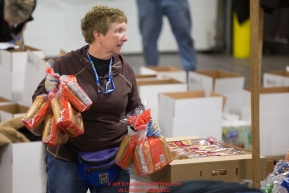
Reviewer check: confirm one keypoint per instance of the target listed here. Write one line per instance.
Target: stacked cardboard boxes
(22, 165)
(149, 91)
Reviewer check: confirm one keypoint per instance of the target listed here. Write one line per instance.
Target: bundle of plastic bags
(148, 154)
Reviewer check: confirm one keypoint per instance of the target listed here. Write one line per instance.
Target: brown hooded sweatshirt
(102, 126)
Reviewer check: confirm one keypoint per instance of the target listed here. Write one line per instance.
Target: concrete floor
(212, 61)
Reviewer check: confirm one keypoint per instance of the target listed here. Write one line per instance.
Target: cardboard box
(4, 100)
(273, 118)
(150, 89)
(143, 77)
(22, 168)
(236, 167)
(12, 71)
(222, 82)
(33, 75)
(11, 110)
(5, 76)
(165, 71)
(276, 78)
(187, 113)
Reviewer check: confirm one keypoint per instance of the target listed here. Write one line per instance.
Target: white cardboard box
(188, 113)
(149, 91)
(12, 71)
(165, 71)
(22, 168)
(10, 110)
(222, 82)
(276, 78)
(141, 77)
(274, 119)
(33, 74)
(4, 100)
(5, 76)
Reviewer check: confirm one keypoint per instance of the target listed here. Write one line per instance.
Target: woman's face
(114, 38)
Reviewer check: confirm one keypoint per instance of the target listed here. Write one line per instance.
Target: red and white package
(36, 114)
(74, 93)
(53, 135)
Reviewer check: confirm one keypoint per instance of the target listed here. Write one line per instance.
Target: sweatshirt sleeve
(134, 98)
(39, 90)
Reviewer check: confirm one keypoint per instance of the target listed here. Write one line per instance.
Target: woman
(14, 16)
(103, 29)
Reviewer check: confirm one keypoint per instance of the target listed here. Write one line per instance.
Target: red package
(124, 154)
(67, 118)
(36, 114)
(52, 135)
(140, 122)
(74, 93)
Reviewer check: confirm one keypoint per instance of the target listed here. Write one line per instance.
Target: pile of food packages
(57, 115)
(202, 147)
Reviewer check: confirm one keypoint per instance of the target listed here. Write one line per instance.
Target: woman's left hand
(153, 129)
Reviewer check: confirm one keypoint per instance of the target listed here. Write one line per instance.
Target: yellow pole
(256, 39)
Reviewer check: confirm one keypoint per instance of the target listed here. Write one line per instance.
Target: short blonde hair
(99, 18)
(18, 11)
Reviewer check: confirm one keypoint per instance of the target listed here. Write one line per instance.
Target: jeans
(150, 13)
(62, 177)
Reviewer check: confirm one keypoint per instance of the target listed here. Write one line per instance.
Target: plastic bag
(124, 156)
(74, 93)
(53, 135)
(138, 118)
(67, 118)
(36, 114)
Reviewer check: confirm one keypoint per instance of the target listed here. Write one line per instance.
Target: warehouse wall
(56, 25)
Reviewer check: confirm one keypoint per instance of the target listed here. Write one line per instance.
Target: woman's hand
(153, 129)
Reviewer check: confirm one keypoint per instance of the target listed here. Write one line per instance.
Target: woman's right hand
(51, 83)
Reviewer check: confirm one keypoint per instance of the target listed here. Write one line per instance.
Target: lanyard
(110, 80)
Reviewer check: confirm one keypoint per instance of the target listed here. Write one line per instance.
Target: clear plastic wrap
(138, 118)
(278, 180)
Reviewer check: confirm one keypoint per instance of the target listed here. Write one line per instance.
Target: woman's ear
(97, 36)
